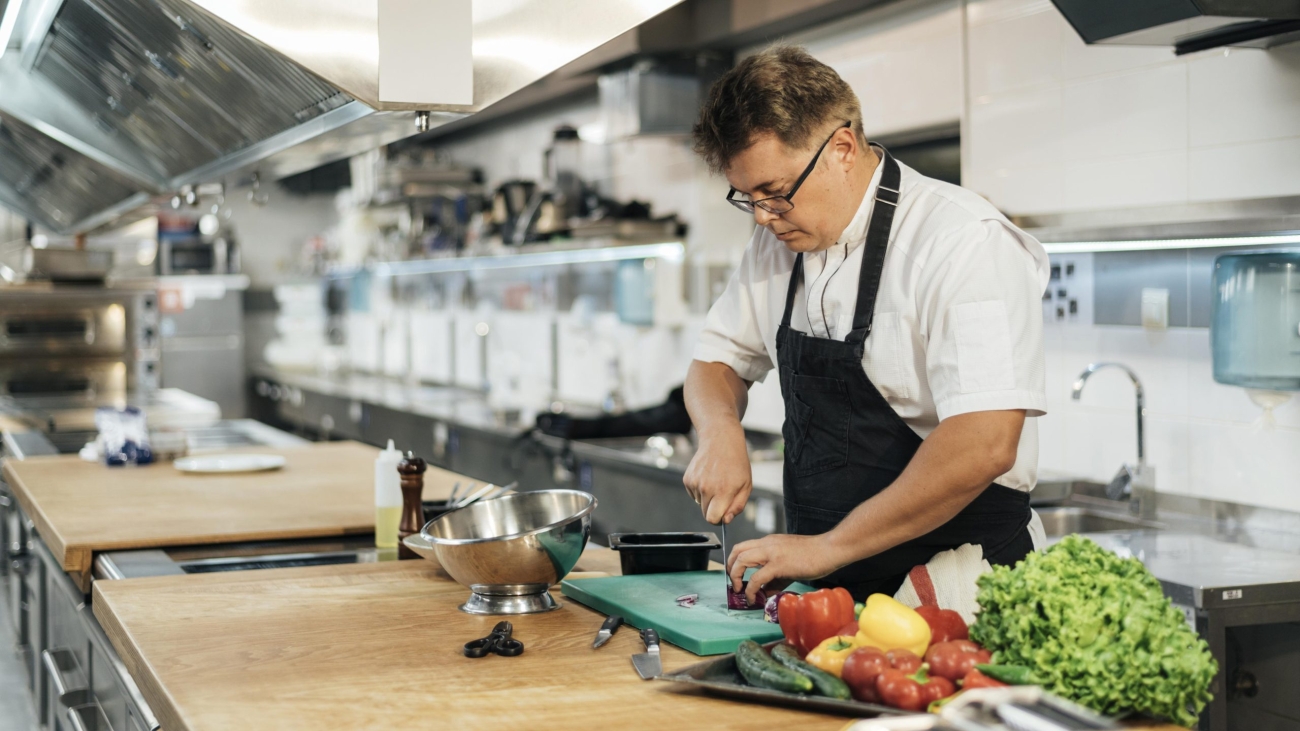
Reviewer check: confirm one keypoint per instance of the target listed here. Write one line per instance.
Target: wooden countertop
(379, 646)
(81, 508)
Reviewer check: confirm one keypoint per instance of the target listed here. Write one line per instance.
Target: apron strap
(873, 256)
(796, 274)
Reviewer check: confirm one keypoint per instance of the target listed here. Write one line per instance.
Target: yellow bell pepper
(831, 654)
(889, 625)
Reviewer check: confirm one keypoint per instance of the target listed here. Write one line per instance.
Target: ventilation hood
(158, 94)
(1186, 25)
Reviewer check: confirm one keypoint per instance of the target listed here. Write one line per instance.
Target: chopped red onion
(769, 609)
(687, 600)
(738, 600)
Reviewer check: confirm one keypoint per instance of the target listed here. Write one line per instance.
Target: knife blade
(607, 630)
(726, 577)
(648, 664)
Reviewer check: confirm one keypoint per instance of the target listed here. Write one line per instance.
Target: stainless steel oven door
(51, 330)
(91, 378)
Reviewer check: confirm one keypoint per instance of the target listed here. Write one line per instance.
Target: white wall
(1056, 125)
(271, 237)
(903, 60)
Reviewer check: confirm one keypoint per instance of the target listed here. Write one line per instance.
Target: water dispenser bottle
(1255, 329)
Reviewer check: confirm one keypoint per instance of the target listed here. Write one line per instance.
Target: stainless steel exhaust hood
(54, 185)
(1186, 25)
(165, 93)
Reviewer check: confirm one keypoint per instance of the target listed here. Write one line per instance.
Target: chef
(903, 316)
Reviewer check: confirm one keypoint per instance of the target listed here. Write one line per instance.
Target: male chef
(903, 316)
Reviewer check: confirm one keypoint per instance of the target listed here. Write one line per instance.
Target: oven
(91, 342)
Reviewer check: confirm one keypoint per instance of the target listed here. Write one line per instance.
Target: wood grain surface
(374, 646)
(81, 508)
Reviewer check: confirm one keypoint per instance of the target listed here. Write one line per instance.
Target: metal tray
(719, 676)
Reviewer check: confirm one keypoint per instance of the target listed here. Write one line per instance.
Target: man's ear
(847, 149)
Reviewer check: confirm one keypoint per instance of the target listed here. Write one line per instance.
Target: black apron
(844, 443)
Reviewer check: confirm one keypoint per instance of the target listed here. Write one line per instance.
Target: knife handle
(650, 638)
(612, 623)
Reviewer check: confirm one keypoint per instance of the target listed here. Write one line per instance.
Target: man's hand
(719, 477)
(780, 556)
(953, 466)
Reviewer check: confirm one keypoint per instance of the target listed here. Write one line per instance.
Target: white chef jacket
(958, 324)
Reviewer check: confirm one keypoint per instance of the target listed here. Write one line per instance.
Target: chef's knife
(647, 663)
(607, 630)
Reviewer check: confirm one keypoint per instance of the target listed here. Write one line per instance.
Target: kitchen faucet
(1136, 482)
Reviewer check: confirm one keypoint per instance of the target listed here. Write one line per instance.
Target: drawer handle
(83, 711)
(55, 661)
(77, 718)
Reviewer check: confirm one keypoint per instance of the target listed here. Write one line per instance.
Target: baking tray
(720, 676)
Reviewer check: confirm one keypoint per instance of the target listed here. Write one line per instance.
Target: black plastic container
(661, 553)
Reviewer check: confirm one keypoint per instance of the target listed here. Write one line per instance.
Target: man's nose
(763, 216)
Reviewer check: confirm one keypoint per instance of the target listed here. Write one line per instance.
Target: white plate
(215, 463)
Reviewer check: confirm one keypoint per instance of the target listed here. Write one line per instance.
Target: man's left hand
(780, 556)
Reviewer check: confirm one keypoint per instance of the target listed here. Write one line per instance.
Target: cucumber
(761, 670)
(824, 682)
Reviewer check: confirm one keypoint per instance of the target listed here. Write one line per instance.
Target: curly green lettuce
(1098, 630)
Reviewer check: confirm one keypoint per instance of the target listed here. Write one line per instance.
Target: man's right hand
(719, 476)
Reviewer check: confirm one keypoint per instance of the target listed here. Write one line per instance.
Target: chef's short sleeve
(980, 306)
(731, 331)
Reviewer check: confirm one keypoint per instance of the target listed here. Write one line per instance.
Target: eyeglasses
(779, 204)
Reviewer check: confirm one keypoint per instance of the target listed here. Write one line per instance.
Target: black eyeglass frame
(748, 206)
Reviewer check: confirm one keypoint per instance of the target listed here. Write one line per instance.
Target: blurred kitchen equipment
(1255, 326)
(508, 204)
(194, 256)
(476, 495)
(655, 553)
(412, 471)
(607, 630)
(648, 664)
(500, 642)
(562, 163)
(70, 265)
(1133, 481)
(511, 549)
(91, 343)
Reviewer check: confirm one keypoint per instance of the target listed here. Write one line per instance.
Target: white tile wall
(1136, 126)
(903, 60)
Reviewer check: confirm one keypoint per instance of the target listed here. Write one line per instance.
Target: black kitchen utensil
(607, 630)
(500, 642)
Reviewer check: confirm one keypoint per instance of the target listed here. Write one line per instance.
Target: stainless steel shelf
(674, 251)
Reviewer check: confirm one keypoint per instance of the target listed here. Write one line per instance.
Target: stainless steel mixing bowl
(509, 550)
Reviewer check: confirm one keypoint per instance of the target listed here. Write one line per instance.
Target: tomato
(952, 660)
(860, 671)
(945, 624)
(904, 660)
(976, 679)
(936, 688)
(899, 691)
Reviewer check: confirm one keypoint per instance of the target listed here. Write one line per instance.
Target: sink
(1063, 521)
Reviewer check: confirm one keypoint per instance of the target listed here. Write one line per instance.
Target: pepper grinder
(411, 469)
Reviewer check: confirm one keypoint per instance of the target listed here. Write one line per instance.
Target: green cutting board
(650, 600)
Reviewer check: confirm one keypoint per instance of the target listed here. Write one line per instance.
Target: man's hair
(784, 91)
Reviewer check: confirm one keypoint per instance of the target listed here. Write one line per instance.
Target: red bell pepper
(808, 619)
